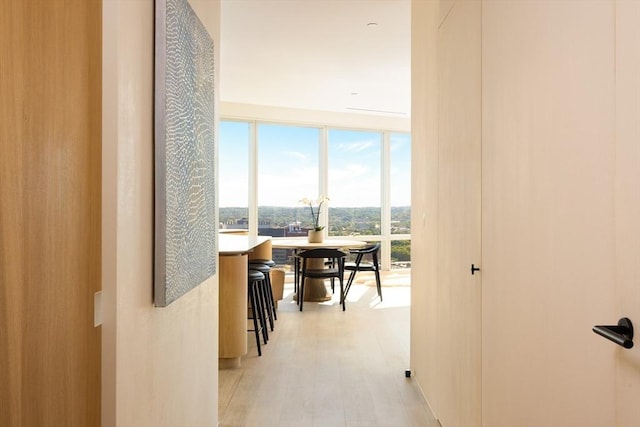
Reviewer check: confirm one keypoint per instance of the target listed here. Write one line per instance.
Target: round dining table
(315, 289)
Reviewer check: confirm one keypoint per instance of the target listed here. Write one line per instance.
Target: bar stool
(271, 264)
(265, 289)
(255, 278)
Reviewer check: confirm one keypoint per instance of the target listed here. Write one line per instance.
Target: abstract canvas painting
(185, 230)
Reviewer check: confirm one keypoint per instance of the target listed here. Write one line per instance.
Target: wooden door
(627, 210)
(50, 192)
(458, 376)
(548, 213)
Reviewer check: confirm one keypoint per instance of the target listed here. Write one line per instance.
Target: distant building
(265, 228)
(237, 224)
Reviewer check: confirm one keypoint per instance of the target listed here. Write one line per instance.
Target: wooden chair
(358, 265)
(310, 271)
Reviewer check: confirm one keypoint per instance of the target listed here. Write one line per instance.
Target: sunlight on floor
(363, 290)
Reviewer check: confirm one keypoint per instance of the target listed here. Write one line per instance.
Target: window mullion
(323, 176)
(253, 178)
(385, 220)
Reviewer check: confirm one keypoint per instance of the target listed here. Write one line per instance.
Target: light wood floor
(328, 368)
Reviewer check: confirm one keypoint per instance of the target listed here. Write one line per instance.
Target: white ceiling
(317, 54)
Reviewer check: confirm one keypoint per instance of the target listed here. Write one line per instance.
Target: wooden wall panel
(50, 204)
(11, 211)
(424, 193)
(457, 391)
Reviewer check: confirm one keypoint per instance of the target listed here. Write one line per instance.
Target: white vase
(315, 236)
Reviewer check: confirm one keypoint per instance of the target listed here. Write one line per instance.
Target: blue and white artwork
(185, 228)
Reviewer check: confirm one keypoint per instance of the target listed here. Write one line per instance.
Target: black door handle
(621, 334)
(474, 269)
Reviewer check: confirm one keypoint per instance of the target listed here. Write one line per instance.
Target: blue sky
(288, 162)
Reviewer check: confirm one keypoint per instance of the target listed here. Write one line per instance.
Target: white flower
(315, 214)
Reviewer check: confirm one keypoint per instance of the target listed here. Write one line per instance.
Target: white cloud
(295, 154)
(358, 146)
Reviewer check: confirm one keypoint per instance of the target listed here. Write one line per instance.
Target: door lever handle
(474, 269)
(621, 334)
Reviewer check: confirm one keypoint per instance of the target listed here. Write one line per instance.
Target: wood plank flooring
(327, 368)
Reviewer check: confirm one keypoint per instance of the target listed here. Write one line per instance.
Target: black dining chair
(360, 265)
(333, 271)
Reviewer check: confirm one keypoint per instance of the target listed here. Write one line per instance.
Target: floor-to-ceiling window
(287, 171)
(400, 199)
(233, 174)
(267, 168)
(354, 176)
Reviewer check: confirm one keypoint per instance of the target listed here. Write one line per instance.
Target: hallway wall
(560, 172)
(159, 364)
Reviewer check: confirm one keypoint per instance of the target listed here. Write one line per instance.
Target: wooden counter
(233, 244)
(232, 324)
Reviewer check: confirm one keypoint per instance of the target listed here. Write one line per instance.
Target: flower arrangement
(315, 213)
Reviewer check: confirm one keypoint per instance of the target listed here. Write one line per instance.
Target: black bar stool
(265, 289)
(255, 278)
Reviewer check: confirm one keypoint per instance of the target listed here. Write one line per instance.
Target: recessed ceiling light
(354, 93)
(372, 24)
